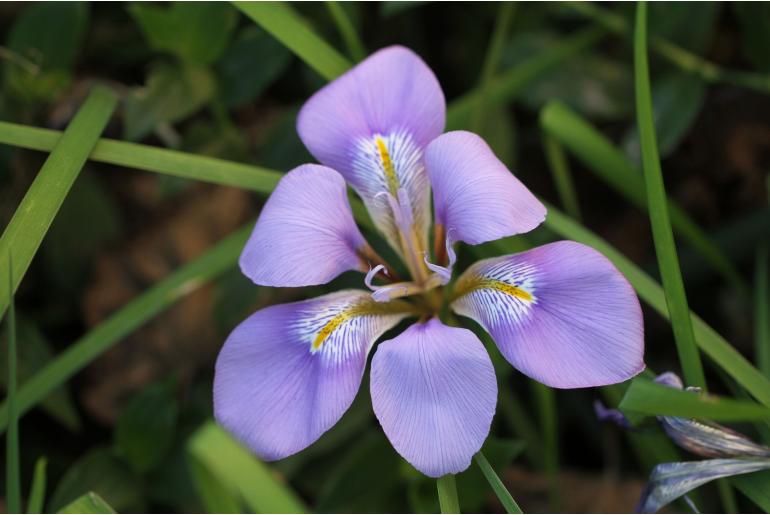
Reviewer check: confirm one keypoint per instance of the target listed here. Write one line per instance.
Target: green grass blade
(34, 216)
(600, 156)
(237, 468)
(502, 493)
(183, 281)
(549, 426)
(88, 503)
(284, 24)
(762, 310)
(504, 86)
(678, 56)
(756, 487)
(12, 471)
(562, 177)
(36, 499)
(346, 30)
(650, 398)
(447, 494)
(491, 61)
(663, 237)
(215, 496)
(713, 345)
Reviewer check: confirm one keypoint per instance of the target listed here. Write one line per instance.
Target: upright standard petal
(476, 198)
(560, 313)
(305, 234)
(434, 393)
(288, 372)
(372, 125)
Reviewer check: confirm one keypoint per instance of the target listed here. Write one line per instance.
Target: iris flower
(561, 313)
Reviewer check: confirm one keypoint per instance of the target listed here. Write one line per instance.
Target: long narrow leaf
(346, 30)
(88, 503)
(562, 177)
(285, 25)
(12, 479)
(34, 216)
(242, 473)
(650, 398)
(600, 156)
(186, 279)
(663, 237)
(502, 493)
(756, 487)
(36, 499)
(709, 341)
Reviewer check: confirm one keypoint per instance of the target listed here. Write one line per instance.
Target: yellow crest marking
(387, 165)
(476, 282)
(331, 325)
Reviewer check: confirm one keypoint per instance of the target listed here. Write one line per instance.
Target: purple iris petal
(476, 198)
(288, 372)
(372, 124)
(306, 234)
(560, 313)
(434, 393)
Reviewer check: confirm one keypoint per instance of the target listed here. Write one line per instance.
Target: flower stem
(447, 494)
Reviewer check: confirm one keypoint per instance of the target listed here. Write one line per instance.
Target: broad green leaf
(165, 293)
(241, 472)
(36, 499)
(677, 100)
(88, 503)
(282, 21)
(145, 429)
(611, 165)
(756, 487)
(249, 66)
(34, 353)
(46, 39)
(650, 398)
(33, 217)
(101, 472)
(195, 32)
(662, 234)
(172, 93)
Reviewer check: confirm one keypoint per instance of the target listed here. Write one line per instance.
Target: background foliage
(125, 260)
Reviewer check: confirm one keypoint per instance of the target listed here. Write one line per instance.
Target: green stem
(663, 237)
(346, 30)
(562, 177)
(447, 494)
(497, 485)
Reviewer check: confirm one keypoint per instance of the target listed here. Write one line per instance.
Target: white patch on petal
(337, 326)
(387, 163)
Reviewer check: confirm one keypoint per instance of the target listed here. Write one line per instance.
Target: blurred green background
(134, 426)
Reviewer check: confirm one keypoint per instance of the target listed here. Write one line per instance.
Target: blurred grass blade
(37, 209)
(216, 498)
(498, 487)
(663, 237)
(762, 310)
(549, 426)
(562, 177)
(492, 60)
(242, 473)
(181, 282)
(36, 499)
(346, 30)
(678, 56)
(89, 503)
(715, 347)
(600, 156)
(12, 471)
(504, 86)
(650, 398)
(284, 24)
(447, 494)
(756, 487)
